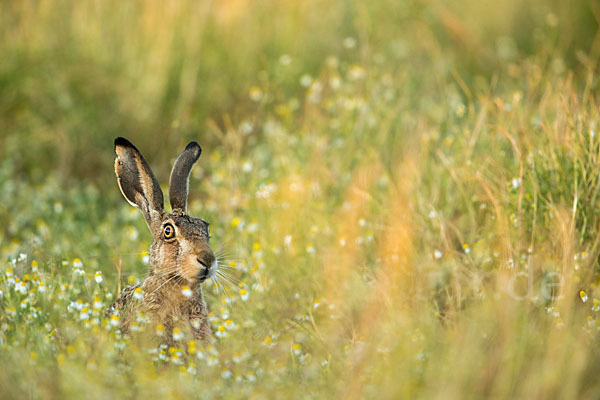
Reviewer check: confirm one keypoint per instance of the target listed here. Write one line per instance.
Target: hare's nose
(207, 260)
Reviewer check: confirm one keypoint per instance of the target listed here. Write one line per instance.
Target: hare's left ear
(179, 181)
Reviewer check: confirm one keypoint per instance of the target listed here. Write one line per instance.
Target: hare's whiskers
(164, 283)
(228, 279)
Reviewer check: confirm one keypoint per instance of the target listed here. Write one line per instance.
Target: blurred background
(403, 195)
(74, 75)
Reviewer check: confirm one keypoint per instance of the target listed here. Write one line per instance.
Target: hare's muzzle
(208, 265)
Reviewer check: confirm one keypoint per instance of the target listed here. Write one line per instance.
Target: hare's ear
(137, 182)
(178, 184)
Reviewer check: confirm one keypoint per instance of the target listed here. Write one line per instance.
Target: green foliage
(403, 195)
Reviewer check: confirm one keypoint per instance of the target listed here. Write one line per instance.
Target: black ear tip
(194, 146)
(121, 141)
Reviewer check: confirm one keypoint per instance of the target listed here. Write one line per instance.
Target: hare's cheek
(189, 272)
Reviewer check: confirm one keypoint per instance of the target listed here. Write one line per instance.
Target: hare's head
(180, 248)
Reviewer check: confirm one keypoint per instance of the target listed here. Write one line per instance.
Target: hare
(180, 257)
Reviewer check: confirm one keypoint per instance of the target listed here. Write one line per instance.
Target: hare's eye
(169, 231)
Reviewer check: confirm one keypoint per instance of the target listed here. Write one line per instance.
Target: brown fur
(179, 257)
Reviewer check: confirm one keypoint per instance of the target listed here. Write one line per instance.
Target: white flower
(212, 361)
(138, 293)
(226, 374)
(21, 287)
(98, 277)
(195, 323)
(177, 334)
(186, 291)
(285, 59)
(247, 167)
(349, 43)
(305, 80)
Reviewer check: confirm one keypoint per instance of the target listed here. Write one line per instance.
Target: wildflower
(285, 59)
(310, 249)
(466, 248)
(84, 314)
(160, 330)
(268, 341)
(132, 233)
(226, 374)
(317, 303)
(191, 345)
(34, 266)
(114, 320)
(186, 291)
(177, 334)
(42, 287)
(244, 294)
(12, 311)
(255, 93)
(247, 167)
(138, 293)
(221, 332)
(356, 72)
(97, 303)
(212, 361)
(141, 318)
(134, 326)
(98, 277)
(304, 358)
(596, 305)
(145, 257)
(21, 287)
(437, 254)
(195, 323)
(229, 324)
(287, 240)
(305, 80)
(297, 349)
(583, 296)
(77, 263)
(349, 42)
(24, 303)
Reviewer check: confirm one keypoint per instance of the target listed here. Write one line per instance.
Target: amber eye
(169, 231)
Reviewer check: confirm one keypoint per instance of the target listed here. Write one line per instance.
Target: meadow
(404, 196)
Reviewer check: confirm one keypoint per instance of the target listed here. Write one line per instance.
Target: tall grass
(405, 196)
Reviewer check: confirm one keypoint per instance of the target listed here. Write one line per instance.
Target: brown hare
(180, 258)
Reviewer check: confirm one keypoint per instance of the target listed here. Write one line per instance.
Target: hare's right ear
(138, 184)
